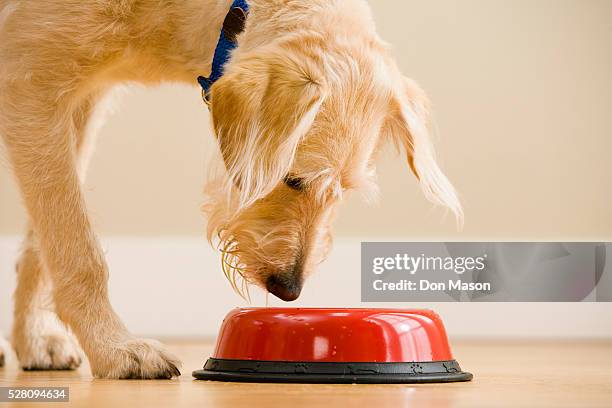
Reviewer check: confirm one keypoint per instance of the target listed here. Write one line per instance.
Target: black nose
(284, 288)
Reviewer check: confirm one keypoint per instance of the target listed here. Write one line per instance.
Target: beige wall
(522, 93)
(523, 96)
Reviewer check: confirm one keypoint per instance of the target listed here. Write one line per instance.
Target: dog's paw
(42, 342)
(3, 352)
(135, 359)
(49, 352)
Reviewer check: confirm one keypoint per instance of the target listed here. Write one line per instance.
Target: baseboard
(173, 287)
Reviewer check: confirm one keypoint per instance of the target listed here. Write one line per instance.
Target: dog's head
(299, 123)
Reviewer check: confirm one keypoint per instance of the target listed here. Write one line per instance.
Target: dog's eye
(295, 183)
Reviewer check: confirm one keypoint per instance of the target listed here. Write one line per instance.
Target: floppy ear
(261, 108)
(408, 127)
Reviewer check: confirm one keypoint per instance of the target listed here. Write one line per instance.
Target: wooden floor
(513, 374)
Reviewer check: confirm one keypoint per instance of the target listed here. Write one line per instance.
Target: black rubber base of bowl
(331, 373)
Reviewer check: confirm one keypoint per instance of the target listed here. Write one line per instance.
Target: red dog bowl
(332, 346)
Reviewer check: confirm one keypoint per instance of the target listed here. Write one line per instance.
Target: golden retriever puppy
(307, 98)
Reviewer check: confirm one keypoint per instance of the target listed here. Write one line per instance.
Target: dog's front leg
(40, 135)
(41, 341)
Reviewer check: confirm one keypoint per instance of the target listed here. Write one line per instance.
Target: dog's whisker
(233, 270)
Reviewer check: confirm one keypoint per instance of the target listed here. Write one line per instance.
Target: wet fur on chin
(311, 93)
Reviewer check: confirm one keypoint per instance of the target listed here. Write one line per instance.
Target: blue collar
(232, 26)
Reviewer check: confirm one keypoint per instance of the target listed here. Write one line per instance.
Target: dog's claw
(177, 372)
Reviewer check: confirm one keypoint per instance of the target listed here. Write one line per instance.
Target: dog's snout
(286, 288)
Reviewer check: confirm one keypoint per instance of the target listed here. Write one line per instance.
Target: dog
(306, 101)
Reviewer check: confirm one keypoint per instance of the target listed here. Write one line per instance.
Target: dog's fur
(311, 94)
